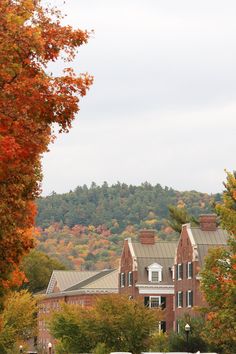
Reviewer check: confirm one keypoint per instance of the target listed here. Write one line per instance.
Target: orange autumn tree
(31, 101)
(219, 278)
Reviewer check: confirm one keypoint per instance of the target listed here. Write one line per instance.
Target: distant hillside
(85, 229)
(119, 205)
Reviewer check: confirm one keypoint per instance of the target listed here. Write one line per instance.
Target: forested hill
(119, 205)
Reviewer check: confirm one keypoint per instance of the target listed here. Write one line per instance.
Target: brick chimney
(208, 222)
(147, 237)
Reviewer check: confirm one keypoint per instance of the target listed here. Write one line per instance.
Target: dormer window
(155, 273)
(155, 276)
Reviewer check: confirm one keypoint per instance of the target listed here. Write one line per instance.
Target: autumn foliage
(115, 322)
(31, 101)
(219, 277)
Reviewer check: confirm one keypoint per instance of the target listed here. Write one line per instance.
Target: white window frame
(189, 264)
(188, 298)
(178, 299)
(179, 265)
(122, 280)
(155, 267)
(130, 274)
(154, 297)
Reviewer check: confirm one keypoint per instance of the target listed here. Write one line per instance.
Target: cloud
(162, 107)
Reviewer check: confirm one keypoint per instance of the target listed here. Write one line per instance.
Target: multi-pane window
(179, 299)
(189, 270)
(154, 301)
(130, 279)
(189, 298)
(155, 276)
(154, 272)
(179, 271)
(122, 280)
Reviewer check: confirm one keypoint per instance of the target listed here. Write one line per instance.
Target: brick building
(163, 274)
(193, 246)
(146, 272)
(73, 287)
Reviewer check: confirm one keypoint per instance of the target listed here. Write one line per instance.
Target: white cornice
(134, 265)
(131, 247)
(162, 291)
(155, 286)
(194, 245)
(190, 234)
(51, 283)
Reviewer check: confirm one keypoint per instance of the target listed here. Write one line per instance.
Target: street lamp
(187, 329)
(50, 348)
(21, 348)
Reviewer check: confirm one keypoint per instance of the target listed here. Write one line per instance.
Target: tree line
(119, 205)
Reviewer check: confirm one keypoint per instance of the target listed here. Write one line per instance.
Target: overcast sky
(163, 105)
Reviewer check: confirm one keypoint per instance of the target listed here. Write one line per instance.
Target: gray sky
(163, 105)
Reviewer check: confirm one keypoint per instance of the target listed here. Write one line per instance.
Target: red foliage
(30, 102)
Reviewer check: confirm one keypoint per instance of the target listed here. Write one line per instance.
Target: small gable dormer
(154, 272)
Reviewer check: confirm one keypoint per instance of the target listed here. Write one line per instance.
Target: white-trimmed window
(189, 270)
(179, 271)
(189, 298)
(154, 301)
(130, 278)
(155, 273)
(161, 326)
(179, 299)
(122, 280)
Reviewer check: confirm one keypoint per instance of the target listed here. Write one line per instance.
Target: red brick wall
(185, 255)
(168, 313)
(48, 305)
(126, 266)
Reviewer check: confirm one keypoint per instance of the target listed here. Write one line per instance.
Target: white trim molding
(158, 289)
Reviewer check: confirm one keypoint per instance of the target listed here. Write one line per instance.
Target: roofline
(134, 258)
(81, 291)
(131, 247)
(51, 282)
(157, 242)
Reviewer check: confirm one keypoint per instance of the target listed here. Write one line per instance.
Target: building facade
(72, 287)
(162, 274)
(146, 272)
(193, 246)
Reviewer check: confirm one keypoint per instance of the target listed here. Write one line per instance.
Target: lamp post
(187, 329)
(21, 348)
(50, 348)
